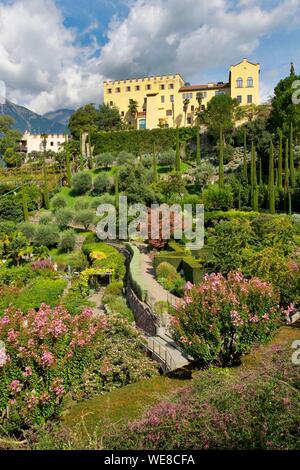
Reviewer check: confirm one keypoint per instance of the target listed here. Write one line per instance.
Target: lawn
(120, 405)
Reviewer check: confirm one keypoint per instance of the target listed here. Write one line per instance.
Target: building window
(172, 98)
(162, 98)
(122, 114)
(109, 91)
(250, 82)
(239, 99)
(239, 83)
(142, 124)
(189, 120)
(169, 112)
(203, 107)
(137, 88)
(111, 103)
(187, 96)
(192, 108)
(148, 87)
(171, 86)
(249, 99)
(162, 87)
(118, 90)
(52, 144)
(128, 88)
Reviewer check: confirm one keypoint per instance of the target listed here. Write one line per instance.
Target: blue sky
(56, 53)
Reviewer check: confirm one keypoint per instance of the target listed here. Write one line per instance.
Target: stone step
(167, 353)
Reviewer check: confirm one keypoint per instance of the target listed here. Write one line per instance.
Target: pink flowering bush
(46, 354)
(223, 318)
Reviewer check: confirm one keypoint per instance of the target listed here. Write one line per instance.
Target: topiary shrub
(101, 184)
(215, 198)
(58, 202)
(81, 183)
(28, 230)
(46, 236)
(64, 217)
(67, 241)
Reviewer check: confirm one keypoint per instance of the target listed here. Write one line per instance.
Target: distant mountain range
(51, 123)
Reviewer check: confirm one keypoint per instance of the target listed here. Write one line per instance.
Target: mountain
(61, 115)
(33, 122)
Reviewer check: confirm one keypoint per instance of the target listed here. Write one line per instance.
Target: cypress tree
(286, 177)
(117, 189)
(24, 204)
(198, 150)
(254, 189)
(280, 151)
(178, 162)
(154, 165)
(91, 161)
(292, 163)
(245, 166)
(271, 181)
(240, 197)
(81, 154)
(221, 160)
(45, 176)
(260, 172)
(68, 164)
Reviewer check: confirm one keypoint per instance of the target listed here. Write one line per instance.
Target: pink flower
(12, 335)
(184, 340)
(16, 386)
(236, 318)
(188, 301)
(27, 372)
(4, 320)
(254, 319)
(266, 317)
(189, 286)
(47, 359)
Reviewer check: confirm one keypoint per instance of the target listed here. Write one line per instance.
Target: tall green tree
(81, 162)
(117, 189)
(221, 111)
(284, 109)
(198, 148)
(245, 166)
(45, 174)
(68, 163)
(178, 161)
(91, 160)
(292, 162)
(271, 188)
(280, 162)
(24, 204)
(254, 188)
(154, 165)
(286, 176)
(221, 159)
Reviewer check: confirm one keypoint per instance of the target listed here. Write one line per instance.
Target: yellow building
(167, 101)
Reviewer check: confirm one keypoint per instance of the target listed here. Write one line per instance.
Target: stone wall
(145, 319)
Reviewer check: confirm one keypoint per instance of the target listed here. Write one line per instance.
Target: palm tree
(133, 108)
(186, 103)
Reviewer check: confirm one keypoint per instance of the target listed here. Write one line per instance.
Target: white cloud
(45, 68)
(40, 62)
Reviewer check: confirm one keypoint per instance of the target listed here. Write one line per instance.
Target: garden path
(96, 298)
(156, 292)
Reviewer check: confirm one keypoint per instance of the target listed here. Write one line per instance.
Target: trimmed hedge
(139, 141)
(135, 273)
(229, 215)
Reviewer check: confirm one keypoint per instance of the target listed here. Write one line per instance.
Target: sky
(56, 53)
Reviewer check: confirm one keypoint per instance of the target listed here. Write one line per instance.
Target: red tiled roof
(203, 87)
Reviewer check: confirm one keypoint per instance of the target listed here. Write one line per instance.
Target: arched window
(250, 82)
(239, 83)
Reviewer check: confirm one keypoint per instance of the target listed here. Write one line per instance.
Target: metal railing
(162, 353)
